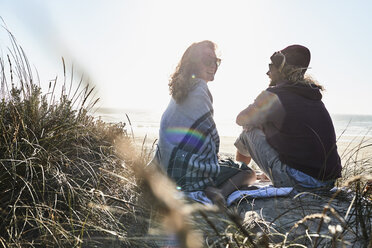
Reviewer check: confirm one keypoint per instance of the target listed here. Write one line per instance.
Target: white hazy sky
(130, 48)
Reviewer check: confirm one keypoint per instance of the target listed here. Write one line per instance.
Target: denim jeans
(253, 143)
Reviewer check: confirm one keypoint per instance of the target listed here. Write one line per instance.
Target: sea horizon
(147, 119)
(144, 125)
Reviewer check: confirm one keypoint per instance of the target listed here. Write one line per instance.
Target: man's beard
(273, 82)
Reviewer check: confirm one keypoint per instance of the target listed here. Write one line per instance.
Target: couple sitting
(287, 130)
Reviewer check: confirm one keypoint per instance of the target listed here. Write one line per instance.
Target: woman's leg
(219, 194)
(243, 178)
(215, 195)
(232, 177)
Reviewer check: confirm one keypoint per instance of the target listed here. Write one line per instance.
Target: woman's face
(208, 64)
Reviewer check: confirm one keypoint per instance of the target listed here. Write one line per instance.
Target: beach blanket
(260, 192)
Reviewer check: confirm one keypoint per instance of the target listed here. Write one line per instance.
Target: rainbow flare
(191, 137)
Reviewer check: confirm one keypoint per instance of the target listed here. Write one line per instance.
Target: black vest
(303, 134)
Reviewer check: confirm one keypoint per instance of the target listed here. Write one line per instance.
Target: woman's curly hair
(181, 81)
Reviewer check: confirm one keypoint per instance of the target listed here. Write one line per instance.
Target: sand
(349, 147)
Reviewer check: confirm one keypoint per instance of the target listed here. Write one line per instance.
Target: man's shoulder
(266, 98)
(268, 93)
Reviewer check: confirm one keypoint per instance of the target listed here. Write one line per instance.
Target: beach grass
(70, 180)
(62, 181)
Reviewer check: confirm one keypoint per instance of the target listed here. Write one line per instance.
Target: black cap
(295, 55)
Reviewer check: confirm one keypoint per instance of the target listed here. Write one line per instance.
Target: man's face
(208, 64)
(273, 74)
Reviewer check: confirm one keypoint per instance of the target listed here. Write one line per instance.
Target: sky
(129, 49)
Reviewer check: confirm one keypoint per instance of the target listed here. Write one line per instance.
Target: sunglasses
(209, 61)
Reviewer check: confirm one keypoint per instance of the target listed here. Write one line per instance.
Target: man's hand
(262, 177)
(241, 158)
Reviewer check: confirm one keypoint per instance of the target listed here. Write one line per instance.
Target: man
(287, 130)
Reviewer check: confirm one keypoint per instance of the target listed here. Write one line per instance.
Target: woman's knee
(247, 177)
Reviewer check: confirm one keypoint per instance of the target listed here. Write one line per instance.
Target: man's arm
(256, 114)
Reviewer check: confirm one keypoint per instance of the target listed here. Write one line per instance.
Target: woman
(188, 138)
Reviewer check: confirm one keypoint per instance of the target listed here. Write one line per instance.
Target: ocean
(351, 130)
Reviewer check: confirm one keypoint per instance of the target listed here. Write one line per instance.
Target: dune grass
(62, 181)
(70, 180)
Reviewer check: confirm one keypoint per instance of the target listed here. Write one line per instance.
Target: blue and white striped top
(188, 140)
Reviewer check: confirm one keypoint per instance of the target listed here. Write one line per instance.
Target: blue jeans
(253, 143)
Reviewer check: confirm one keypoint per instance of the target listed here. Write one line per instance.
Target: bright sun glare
(130, 48)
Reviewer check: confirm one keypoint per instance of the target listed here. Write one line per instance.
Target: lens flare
(190, 138)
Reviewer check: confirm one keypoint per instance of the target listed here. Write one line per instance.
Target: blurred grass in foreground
(62, 181)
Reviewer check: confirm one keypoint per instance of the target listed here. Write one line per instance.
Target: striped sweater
(188, 140)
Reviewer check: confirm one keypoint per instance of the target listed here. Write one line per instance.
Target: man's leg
(253, 143)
